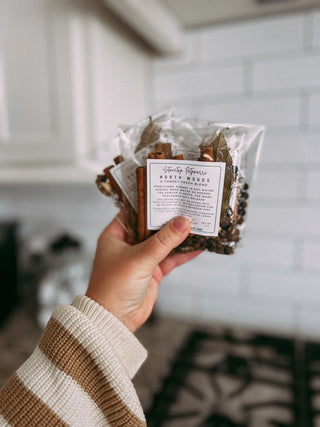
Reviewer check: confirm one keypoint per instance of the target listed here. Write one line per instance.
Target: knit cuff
(129, 350)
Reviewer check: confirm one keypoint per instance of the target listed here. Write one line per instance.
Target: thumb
(158, 246)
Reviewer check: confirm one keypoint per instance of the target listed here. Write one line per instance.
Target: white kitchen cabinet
(35, 82)
(69, 74)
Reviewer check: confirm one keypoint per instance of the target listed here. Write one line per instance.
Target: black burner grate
(232, 379)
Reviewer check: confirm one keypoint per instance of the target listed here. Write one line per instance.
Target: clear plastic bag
(166, 136)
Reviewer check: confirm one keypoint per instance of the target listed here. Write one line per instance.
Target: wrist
(114, 309)
(129, 350)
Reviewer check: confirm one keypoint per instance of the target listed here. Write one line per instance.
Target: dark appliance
(224, 378)
(8, 269)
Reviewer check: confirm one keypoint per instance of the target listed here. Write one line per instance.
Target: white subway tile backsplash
(267, 314)
(217, 262)
(206, 284)
(193, 83)
(309, 321)
(270, 251)
(311, 254)
(182, 277)
(185, 108)
(302, 147)
(275, 267)
(209, 279)
(271, 112)
(313, 185)
(5, 207)
(253, 38)
(287, 286)
(48, 211)
(316, 28)
(189, 54)
(302, 71)
(203, 275)
(293, 219)
(277, 184)
(217, 282)
(314, 119)
(184, 304)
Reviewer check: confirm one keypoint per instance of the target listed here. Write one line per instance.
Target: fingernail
(181, 224)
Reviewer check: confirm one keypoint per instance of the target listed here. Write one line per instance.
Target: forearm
(79, 373)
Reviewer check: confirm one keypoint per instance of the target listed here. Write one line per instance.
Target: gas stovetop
(233, 379)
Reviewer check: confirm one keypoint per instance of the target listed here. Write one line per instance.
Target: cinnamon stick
(158, 146)
(165, 147)
(206, 153)
(118, 159)
(146, 231)
(140, 172)
(156, 155)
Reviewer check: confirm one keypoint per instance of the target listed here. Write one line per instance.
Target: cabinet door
(36, 114)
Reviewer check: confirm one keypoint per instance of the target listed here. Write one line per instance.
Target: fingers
(157, 247)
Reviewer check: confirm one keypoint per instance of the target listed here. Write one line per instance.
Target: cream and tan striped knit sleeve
(78, 375)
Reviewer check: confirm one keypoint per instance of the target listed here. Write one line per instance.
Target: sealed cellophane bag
(170, 165)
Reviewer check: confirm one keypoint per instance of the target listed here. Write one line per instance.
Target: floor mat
(239, 379)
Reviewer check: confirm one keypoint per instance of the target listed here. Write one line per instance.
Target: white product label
(125, 175)
(183, 187)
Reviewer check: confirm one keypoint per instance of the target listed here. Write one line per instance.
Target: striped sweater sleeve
(78, 375)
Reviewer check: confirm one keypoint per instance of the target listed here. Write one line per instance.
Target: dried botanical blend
(170, 166)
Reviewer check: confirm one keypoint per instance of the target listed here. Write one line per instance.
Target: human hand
(125, 278)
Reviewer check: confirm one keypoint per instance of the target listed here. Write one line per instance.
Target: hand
(125, 278)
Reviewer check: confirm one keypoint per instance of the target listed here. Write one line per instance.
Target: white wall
(267, 72)
(47, 211)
